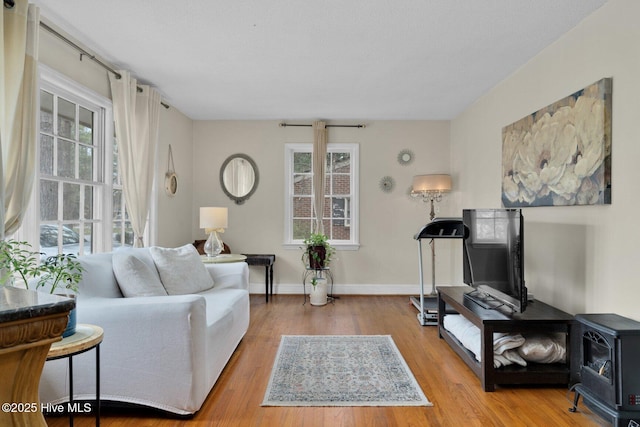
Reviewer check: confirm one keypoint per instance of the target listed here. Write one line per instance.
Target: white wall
(582, 258)
(387, 259)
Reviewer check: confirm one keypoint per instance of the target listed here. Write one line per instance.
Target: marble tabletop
(17, 304)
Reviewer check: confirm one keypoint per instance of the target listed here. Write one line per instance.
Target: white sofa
(164, 352)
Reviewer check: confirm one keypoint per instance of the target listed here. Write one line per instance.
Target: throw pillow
(135, 278)
(181, 270)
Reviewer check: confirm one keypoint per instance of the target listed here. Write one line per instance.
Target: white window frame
(51, 80)
(354, 150)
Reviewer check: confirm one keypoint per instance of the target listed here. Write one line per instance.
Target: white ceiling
(328, 59)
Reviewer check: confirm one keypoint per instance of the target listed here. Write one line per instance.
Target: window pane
(301, 228)
(87, 247)
(340, 209)
(340, 232)
(86, 162)
(341, 184)
(66, 159)
(302, 185)
(116, 235)
(88, 202)
(128, 234)
(86, 126)
(340, 162)
(71, 196)
(71, 239)
(327, 208)
(66, 119)
(49, 239)
(46, 112)
(48, 200)
(46, 154)
(114, 171)
(302, 207)
(301, 162)
(117, 204)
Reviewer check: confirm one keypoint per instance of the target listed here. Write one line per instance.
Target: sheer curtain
(18, 118)
(137, 117)
(319, 160)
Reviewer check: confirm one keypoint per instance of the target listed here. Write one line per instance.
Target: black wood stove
(605, 367)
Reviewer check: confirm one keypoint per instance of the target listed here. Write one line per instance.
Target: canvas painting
(561, 154)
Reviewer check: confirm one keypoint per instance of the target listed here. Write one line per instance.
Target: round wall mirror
(239, 177)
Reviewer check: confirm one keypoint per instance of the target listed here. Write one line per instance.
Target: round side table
(222, 258)
(87, 337)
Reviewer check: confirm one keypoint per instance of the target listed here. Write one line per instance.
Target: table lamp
(214, 221)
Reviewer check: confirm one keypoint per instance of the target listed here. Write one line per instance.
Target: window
(68, 211)
(340, 216)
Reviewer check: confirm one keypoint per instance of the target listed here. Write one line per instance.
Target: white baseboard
(342, 289)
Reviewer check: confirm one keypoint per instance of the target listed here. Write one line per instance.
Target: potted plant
(58, 274)
(318, 251)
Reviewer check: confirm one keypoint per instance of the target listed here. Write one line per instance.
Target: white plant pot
(318, 295)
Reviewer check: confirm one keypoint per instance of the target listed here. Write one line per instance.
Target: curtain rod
(89, 55)
(284, 125)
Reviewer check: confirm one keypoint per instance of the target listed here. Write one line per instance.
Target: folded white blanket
(469, 336)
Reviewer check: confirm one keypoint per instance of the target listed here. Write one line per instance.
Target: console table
(538, 317)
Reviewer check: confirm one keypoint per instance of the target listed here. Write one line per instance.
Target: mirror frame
(239, 199)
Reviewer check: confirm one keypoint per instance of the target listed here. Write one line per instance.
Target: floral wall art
(561, 154)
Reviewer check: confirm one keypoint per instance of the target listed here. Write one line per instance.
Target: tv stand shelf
(538, 317)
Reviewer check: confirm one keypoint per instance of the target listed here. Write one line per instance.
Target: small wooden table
(87, 337)
(267, 260)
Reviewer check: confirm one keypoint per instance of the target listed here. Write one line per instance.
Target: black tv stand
(539, 317)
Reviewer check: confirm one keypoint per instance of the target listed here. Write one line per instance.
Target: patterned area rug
(341, 370)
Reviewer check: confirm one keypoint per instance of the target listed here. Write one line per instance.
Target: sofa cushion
(181, 270)
(135, 278)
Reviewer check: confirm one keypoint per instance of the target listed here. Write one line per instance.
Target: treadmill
(438, 228)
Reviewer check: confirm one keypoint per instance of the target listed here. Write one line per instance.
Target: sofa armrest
(129, 319)
(229, 275)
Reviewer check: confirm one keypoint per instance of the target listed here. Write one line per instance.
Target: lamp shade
(213, 218)
(431, 183)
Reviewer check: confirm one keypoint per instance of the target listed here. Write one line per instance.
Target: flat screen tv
(493, 257)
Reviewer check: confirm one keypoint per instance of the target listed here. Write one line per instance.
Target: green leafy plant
(61, 270)
(318, 252)
(18, 260)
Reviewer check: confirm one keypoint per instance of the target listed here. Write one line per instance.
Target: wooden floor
(448, 383)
